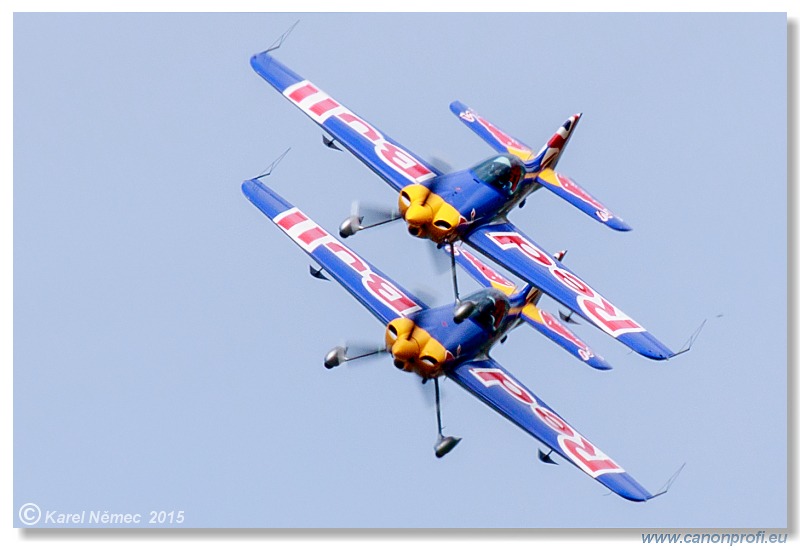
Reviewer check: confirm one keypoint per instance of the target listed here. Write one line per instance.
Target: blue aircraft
(450, 341)
(472, 205)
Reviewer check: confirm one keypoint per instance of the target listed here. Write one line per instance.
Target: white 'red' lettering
(586, 456)
(321, 107)
(305, 232)
(597, 309)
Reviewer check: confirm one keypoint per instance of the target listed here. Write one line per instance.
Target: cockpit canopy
(490, 308)
(502, 172)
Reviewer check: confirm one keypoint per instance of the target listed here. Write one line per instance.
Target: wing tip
(600, 365)
(647, 345)
(458, 107)
(260, 60)
(618, 225)
(624, 485)
(264, 198)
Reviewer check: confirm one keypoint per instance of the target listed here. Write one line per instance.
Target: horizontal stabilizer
(491, 134)
(551, 327)
(574, 194)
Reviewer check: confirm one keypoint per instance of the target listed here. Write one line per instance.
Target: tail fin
(525, 295)
(550, 154)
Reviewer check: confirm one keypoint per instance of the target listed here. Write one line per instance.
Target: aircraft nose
(419, 215)
(405, 349)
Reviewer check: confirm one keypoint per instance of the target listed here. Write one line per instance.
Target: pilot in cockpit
(503, 172)
(488, 307)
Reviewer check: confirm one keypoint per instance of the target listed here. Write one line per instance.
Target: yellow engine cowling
(413, 349)
(427, 214)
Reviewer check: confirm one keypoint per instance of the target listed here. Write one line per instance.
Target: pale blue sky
(168, 341)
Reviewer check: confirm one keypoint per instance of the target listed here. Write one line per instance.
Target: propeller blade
(440, 164)
(439, 257)
(350, 352)
(426, 294)
(374, 214)
(364, 217)
(363, 349)
(426, 393)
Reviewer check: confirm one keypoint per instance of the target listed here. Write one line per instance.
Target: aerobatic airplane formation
(459, 211)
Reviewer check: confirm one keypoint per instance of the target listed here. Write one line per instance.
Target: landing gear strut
(443, 444)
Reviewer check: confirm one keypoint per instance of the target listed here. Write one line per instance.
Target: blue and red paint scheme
(472, 205)
(430, 343)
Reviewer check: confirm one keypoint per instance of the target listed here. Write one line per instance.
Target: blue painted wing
(539, 319)
(574, 194)
(508, 246)
(384, 156)
(380, 295)
(496, 387)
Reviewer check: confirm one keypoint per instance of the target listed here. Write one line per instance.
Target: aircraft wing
(496, 387)
(574, 194)
(384, 156)
(491, 134)
(539, 319)
(384, 298)
(508, 246)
